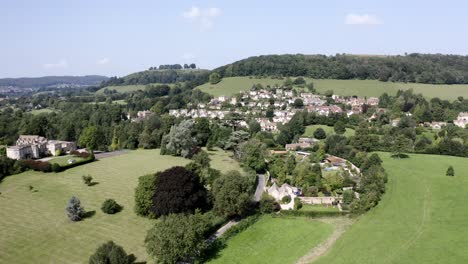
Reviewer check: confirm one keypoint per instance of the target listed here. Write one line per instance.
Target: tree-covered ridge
(47, 81)
(419, 68)
(160, 76)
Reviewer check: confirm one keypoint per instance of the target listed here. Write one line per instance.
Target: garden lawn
(318, 208)
(274, 240)
(34, 225)
(309, 132)
(232, 85)
(421, 219)
(63, 161)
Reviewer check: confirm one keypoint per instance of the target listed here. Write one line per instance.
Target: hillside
(419, 68)
(198, 76)
(51, 81)
(232, 85)
(421, 218)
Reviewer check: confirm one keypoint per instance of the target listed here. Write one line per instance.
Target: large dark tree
(178, 190)
(232, 193)
(111, 253)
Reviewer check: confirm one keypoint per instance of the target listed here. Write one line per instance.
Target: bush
(297, 203)
(348, 196)
(110, 206)
(111, 253)
(286, 199)
(74, 210)
(56, 167)
(268, 204)
(36, 165)
(80, 154)
(87, 179)
(450, 171)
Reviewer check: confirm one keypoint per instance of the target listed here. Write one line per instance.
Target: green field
(421, 219)
(274, 240)
(63, 161)
(318, 208)
(42, 111)
(128, 88)
(232, 85)
(34, 226)
(328, 130)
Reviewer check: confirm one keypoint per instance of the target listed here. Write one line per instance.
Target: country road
(260, 187)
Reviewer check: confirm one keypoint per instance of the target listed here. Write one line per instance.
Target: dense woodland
(166, 75)
(419, 68)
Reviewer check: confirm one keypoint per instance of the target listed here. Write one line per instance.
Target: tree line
(416, 68)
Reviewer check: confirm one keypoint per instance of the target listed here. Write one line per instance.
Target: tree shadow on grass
(93, 183)
(400, 156)
(89, 214)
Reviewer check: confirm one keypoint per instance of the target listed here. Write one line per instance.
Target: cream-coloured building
(34, 147)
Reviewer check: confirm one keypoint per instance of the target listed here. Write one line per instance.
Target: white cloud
(58, 65)
(103, 61)
(203, 17)
(365, 19)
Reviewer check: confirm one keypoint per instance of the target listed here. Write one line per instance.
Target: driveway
(260, 187)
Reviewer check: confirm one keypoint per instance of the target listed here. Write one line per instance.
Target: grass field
(232, 85)
(34, 226)
(421, 218)
(274, 240)
(318, 208)
(127, 88)
(329, 130)
(62, 161)
(41, 111)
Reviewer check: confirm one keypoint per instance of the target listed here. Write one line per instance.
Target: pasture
(34, 225)
(128, 88)
(274, 240)
(421, 218)
(232, 85)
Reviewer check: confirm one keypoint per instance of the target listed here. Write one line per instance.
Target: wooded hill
(160, 76)
(417, 68)
(50, 81)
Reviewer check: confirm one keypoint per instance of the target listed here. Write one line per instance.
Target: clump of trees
(179, 141)
(175, 190)
(75, 211)
(111, 253)
(232, 194)
(178, 238)
(87, 179)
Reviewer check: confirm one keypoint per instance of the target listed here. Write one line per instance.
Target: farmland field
(274, 240)
(421, 218)
(34, 226)
(232, 85)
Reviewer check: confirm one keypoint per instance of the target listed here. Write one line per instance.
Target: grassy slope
(328, 130)
(34, 226)
(128, 88)
(274, 240)
(421, 219)
(232, 85)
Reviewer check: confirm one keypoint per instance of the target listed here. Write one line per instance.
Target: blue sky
(116, 37)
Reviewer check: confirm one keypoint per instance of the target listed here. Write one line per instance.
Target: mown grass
(232, 85)
(34, 226)
(318, 208)
(421, 218)
(274, 240)
(309, 132)
(62, 161)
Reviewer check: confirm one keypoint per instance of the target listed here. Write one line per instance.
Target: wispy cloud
(203, 17)
(103, 61)
(364, 19)
(58, 65)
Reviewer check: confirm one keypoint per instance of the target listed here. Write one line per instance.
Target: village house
(434, 125)
(34, 147)
(462, 120)
(284, 190)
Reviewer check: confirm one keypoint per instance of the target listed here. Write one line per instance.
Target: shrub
(319, 133)
(87, 179)
(268, 204)
(450, 171)
(297, 203)
(56, 167)
(110, 206)
(286, 199)
(348, 196)
(74, 210)
(111, 253)
(36, 165)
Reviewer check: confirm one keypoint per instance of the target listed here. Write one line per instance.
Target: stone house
(34, 147)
